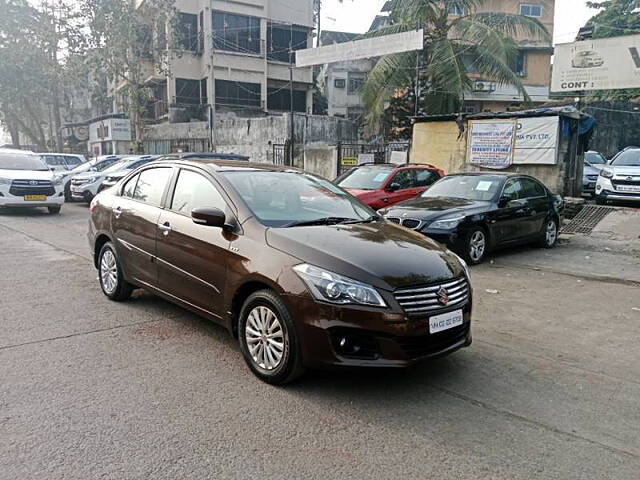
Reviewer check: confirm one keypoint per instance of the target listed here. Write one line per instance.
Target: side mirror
(394, 187)
(209, 216)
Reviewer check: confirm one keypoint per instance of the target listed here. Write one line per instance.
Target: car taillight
(93, 205)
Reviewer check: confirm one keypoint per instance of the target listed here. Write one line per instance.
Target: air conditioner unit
(482, 86)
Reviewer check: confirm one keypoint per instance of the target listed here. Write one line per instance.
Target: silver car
(619, 180)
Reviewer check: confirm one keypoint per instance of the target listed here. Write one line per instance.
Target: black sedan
(475, 213)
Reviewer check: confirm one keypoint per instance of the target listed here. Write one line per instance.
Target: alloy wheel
(265, 338)
(552, 232)
(109, 272)
(477, 245)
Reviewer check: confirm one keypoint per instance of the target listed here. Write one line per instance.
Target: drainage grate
(587, 219)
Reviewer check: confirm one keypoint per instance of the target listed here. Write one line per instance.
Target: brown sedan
(294, 267)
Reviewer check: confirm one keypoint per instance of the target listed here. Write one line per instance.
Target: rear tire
(475, 246)
(550, 234)
(268, 339)
(112, 282)
(54, 210)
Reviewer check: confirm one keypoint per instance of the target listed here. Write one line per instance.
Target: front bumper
(79, 192)
(607, 190)
(452, 239)
(8, 200)
(382, 338)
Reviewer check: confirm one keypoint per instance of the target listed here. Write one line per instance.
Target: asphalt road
(89, 389)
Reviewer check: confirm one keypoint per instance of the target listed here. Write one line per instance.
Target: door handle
(117, 212)
(165, 227)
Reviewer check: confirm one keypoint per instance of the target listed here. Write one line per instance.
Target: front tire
(476, 246)
(112, 282)
(550, 235)
(54, 210)
(268, 339)
(88, 196)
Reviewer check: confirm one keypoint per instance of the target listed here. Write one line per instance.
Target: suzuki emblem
(443, 296)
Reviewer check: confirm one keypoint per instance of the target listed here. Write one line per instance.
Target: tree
(126, 46)
(455, 48)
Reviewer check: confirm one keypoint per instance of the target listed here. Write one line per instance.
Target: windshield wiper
(320, 221)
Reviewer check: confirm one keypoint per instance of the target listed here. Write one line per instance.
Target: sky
(357, 15)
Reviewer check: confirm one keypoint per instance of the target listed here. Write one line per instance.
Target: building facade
(532, 66)
(231, 56)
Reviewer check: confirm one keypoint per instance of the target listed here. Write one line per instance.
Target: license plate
(445, 321)
(35, 198)
(629, 188)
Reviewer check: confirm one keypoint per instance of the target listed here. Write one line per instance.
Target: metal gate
(281, 154)
(180, 145)
(353, 154)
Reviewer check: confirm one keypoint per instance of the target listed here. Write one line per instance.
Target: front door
(134, 223)
(192, 258)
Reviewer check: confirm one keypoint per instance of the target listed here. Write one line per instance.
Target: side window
(194, 191)
(513, 190)
(73, 162)
(532, 188)
(151, 185)
(405, 178)
(130, 187)
(424, 178)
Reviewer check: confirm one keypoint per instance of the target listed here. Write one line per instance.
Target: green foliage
(456, 48)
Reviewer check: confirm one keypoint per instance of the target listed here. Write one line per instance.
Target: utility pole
(417, 89)
(291, 119)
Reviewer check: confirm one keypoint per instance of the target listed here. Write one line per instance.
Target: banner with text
(537, 141)
(491, 143)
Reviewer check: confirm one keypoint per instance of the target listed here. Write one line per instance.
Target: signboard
(360, 49)
(118, 129)
(366, 158)
(537, 141)
(349, 161)
(602, 64)
(491, 143)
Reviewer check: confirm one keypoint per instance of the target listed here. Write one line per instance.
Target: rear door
(406, 181)
(192, 258)
(512, 219)
(134, 223)
(538, 203)
(424, 179)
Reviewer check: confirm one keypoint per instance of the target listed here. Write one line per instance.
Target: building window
(188, 31)
(531, 10)
(280, 99)
(519, 66)
(236, 33)
(280, 39)
(237, 94)
(188, 92)
(340, 83)
(457, 10)
(355, 84)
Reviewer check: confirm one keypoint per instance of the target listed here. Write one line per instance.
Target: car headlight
(330, 287)
(606, 173)
(5, 181)
(447, 223)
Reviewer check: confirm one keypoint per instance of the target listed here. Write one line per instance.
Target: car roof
(206, 156)
(229, 165)
(396, 165)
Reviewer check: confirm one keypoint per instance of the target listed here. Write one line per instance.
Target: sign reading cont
(360, 49)
(491, 143)
(603, 64)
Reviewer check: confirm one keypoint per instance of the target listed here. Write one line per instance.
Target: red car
(382, 185)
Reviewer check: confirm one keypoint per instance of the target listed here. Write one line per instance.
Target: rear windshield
(365, 178)
(21, 161)
(630, 158)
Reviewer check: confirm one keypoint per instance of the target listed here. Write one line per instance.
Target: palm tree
(456, 47)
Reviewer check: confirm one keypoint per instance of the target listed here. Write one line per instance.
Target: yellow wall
(437, 143)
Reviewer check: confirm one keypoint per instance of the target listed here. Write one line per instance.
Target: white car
(26, 181)
(85, 186)
(620, 178)
(96, 165)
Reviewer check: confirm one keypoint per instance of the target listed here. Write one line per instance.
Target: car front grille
(20, 188)
(411, 223)
(425, 345)
(634, 182)
(416, 300)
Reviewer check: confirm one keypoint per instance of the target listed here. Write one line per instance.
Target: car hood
(622, 171)
(592, 169)
(378, 253)
(84, 176)
(421, 208)
(118, 174)
(27, 174)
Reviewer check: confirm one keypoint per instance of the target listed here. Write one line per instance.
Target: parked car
(205, 156)
(620, 178)
(475, 213)
(98, 164)
(593, 163)
(26, 181)
(298, 270)
(85, 186)
(114, 177)
(62, 162)
(382, 185)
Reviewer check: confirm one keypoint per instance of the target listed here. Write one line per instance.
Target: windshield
(21, 161)
(365, 178)
(594, 158)
(119, 165)
(630, 158)
(468, 187)
(284, 199)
